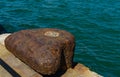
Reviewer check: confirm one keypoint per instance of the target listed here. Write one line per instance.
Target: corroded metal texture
(45, 50)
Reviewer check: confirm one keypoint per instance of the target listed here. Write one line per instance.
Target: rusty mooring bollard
(45, 50)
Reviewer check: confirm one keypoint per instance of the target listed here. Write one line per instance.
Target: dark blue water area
(94, 23)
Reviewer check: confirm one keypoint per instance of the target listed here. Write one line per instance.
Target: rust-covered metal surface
(45, 50)
(10, 66)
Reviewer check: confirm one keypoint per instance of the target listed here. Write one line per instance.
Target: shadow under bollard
(59, 73)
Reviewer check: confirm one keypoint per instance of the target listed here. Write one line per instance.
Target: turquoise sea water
(94, 23)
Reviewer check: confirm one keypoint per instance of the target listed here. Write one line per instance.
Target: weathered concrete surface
(80, 71)
(2, 38)
(44, 50)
